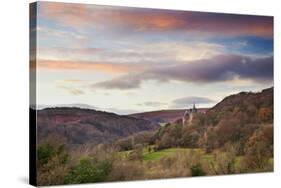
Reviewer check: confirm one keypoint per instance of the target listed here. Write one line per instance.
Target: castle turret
(188, 115)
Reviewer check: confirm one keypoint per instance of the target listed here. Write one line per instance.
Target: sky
(128, 60)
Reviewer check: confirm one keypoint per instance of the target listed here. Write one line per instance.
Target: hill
(245, 100)
(235, 120)
(80, 126)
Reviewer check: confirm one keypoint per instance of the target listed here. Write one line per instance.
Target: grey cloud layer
(72, 91)
(217, 69)
(152, 104)
(187, 101)
(123, 83)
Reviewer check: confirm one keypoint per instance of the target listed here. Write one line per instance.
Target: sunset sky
(127, 60)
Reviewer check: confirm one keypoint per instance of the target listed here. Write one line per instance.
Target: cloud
(61, 37)
(66, 52)
(129, 52)
(188, 101)
(72, 91)
(217, 69)
(85, 66)
(122, 83)
(72, 81)
(147, 20)
(152, 104)
(69, 13)
(59, 33)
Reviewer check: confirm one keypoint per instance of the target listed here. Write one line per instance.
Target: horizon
(131, 60)
(89, 107)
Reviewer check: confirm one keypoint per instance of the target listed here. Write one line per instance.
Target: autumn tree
(259, 148)
(265, 114)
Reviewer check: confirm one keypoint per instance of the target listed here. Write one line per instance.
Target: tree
(190, 139)
(210, 140)
(164, 141)
(124, 144)
(265, 114)
(259, 149)
(228, 130)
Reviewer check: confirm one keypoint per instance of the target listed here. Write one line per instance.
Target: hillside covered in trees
(83, 126)
(235, 136)
(232, 121)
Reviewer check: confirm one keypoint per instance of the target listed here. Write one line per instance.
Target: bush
(126, 170)
(45, 153)
(180, 164)
(88, 171)
(197, 170)
(137, 153)
(51, 164)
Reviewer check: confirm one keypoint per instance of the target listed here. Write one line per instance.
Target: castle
(188, 115)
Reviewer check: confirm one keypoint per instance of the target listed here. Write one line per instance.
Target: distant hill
(163, 116)
(79, 126)
(75, 105)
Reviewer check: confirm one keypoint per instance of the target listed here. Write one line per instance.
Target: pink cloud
(139, 19)
(112, 68)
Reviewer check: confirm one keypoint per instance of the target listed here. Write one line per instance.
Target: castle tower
(194, 108)
(188, 115)
(192, 112)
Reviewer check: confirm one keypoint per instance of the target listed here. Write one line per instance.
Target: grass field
(152, 156)
(157, 155)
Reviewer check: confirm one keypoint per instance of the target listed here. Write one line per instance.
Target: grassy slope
(157, 155)
(152, 163)
(152, 156)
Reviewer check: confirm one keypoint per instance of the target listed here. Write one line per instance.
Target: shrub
(51, 164)
(126, 170)
(136, 154)
(197, 170)
(45, 153)
(88, 170)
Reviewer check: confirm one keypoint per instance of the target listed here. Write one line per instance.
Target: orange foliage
(265, 114)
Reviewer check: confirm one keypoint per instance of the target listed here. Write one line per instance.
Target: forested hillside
(85, 126)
